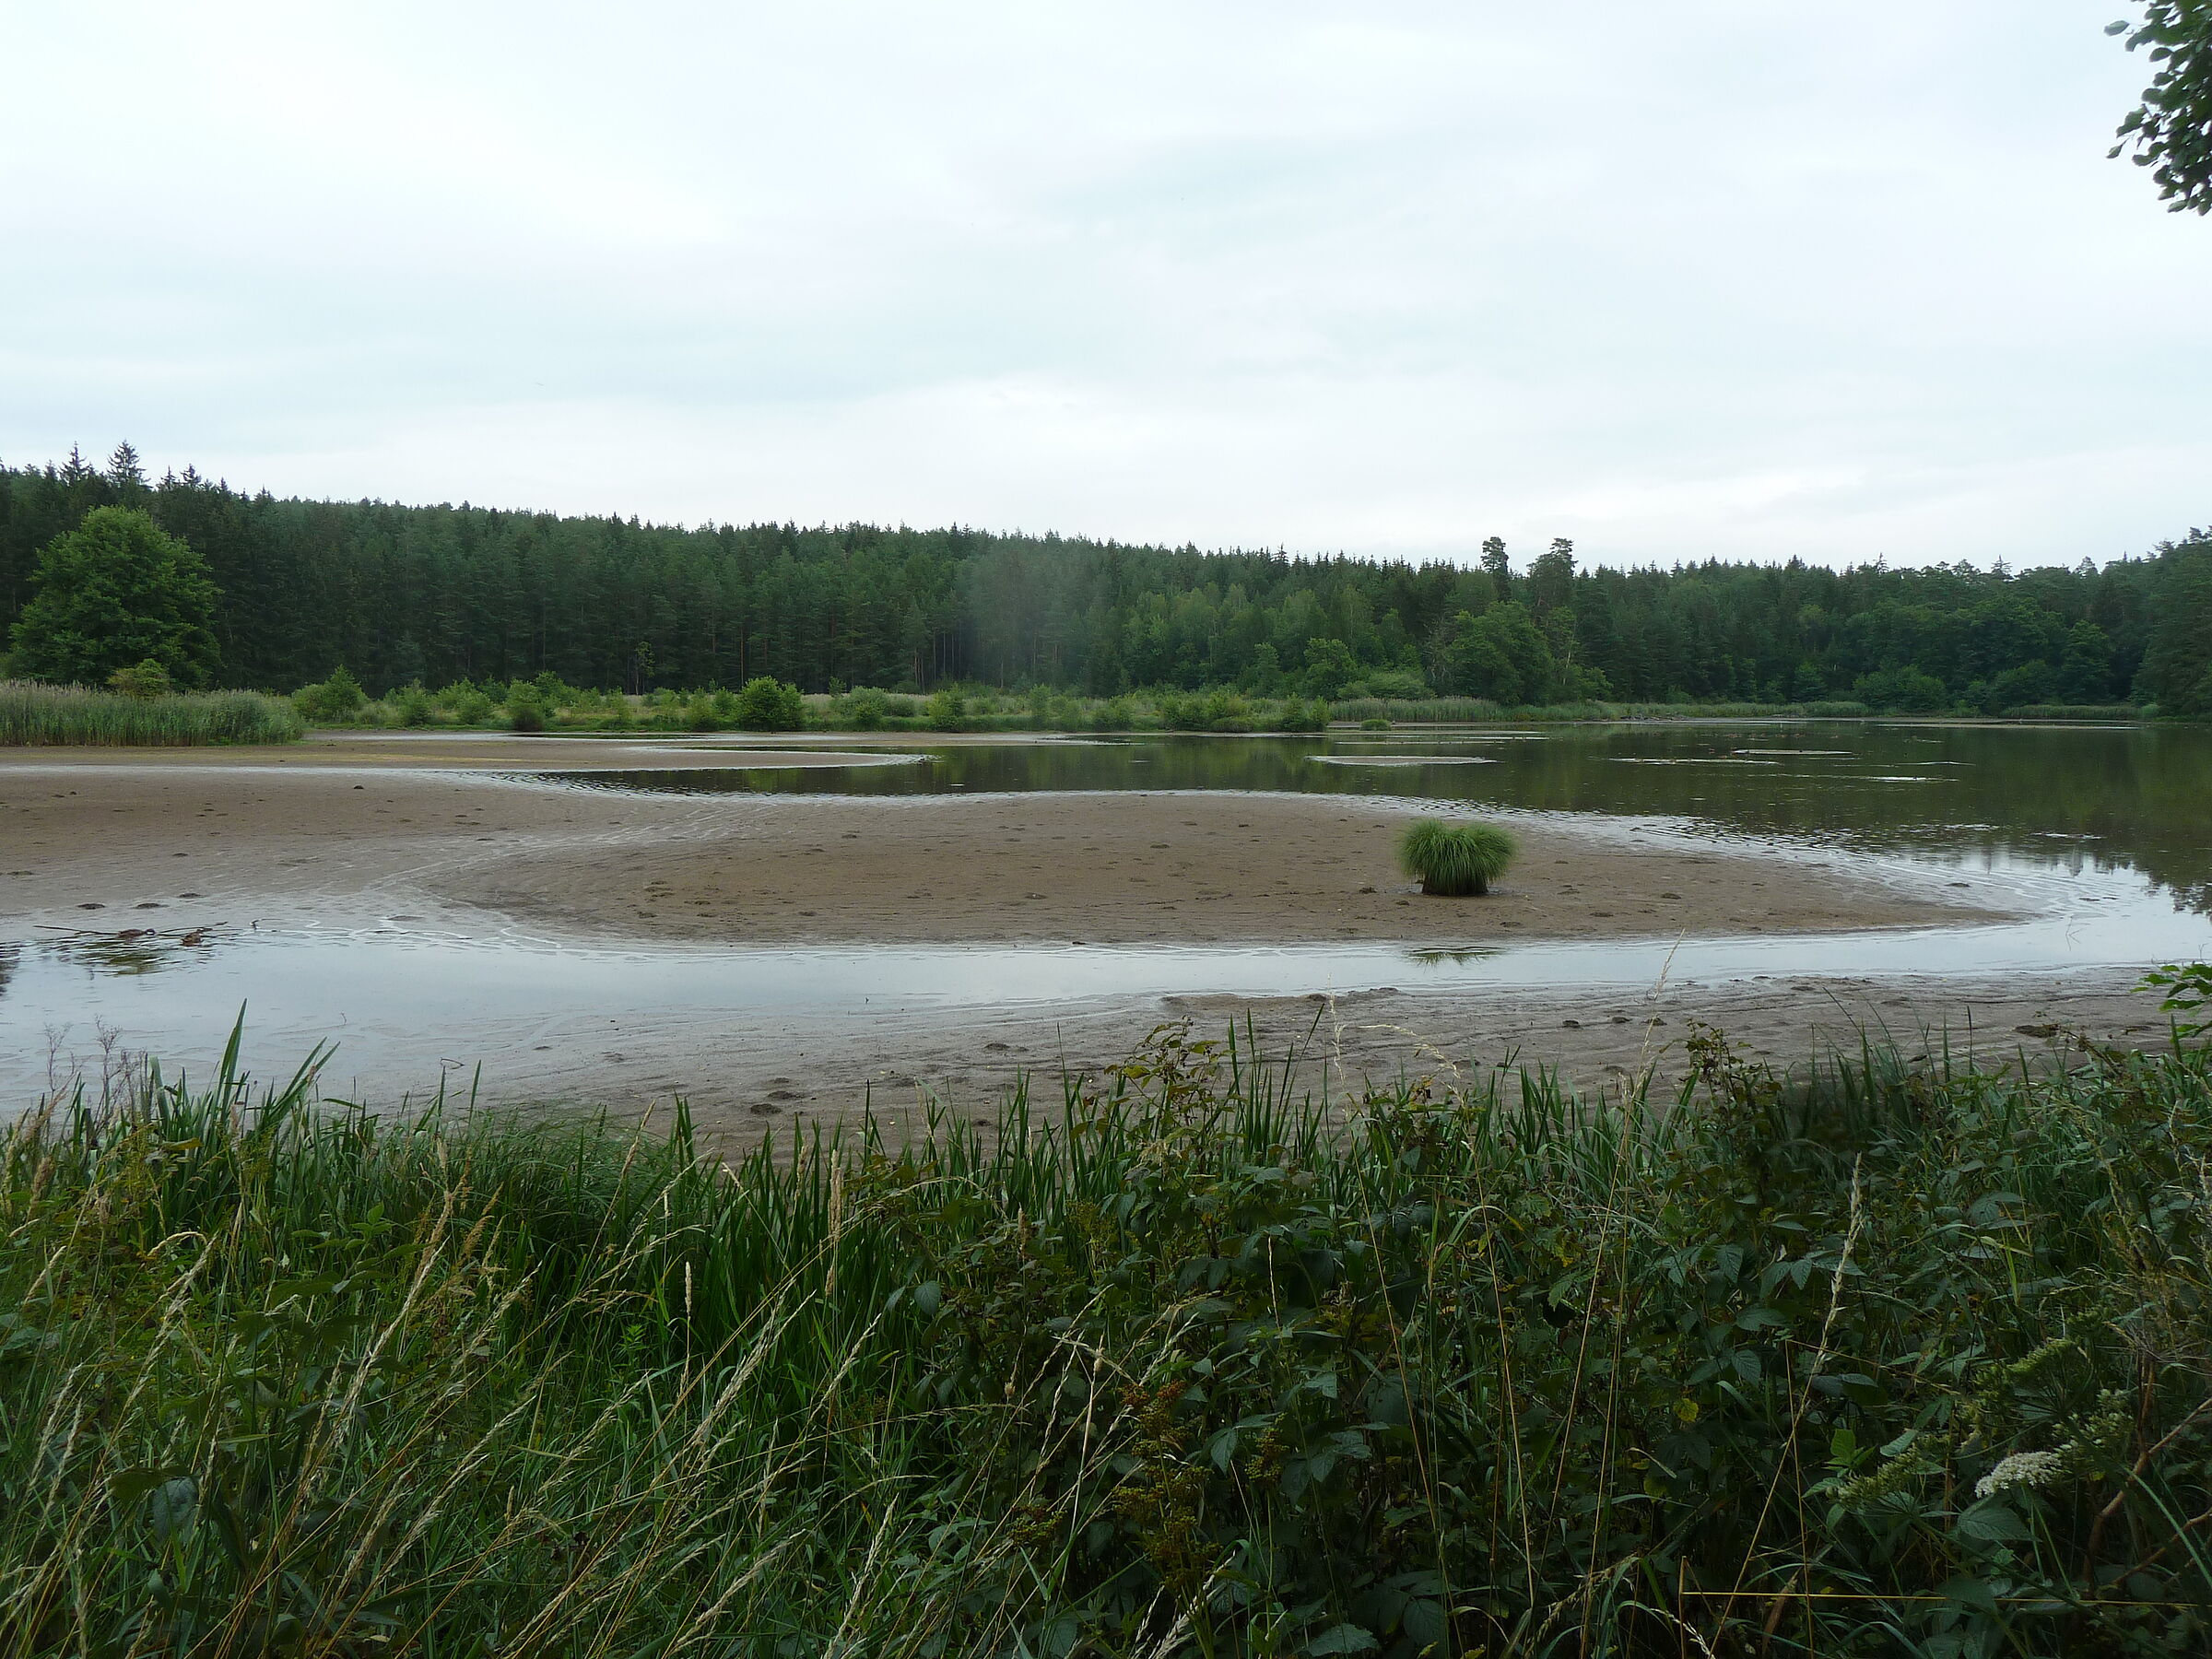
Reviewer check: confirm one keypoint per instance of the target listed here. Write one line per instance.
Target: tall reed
(1881, 1359)
(35, 714)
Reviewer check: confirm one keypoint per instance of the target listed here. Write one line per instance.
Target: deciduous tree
(2171, 129)
(112, 593)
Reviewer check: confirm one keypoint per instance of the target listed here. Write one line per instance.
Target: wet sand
(361, 823)
(1601, 1040)
(437, 833)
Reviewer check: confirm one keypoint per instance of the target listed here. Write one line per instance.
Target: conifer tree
(124, 470)
(1495, 561)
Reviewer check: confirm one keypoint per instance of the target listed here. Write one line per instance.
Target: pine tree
(124, 470)
(1495, 561)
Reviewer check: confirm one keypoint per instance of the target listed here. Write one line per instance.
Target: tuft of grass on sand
(35, 714)
(1455, 860)
(1877, 1357)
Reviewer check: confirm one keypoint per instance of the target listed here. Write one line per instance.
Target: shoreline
(378, 826)
(391, 835)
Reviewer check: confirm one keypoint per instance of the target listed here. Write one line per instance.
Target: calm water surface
(2103, 836)
(2066, 798)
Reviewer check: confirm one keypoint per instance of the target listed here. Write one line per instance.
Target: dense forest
(436, 595)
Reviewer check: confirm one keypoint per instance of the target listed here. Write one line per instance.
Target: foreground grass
(1891, 1361)
(32, 713)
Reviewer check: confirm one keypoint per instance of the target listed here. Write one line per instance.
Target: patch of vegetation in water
(1878, 1358)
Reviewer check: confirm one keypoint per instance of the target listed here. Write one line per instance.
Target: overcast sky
(1673, 278)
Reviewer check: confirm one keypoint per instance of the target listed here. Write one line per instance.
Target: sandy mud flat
(367, 821)
(453, 835)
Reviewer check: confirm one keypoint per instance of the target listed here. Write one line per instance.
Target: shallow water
(2070, 797)
(2101, 838)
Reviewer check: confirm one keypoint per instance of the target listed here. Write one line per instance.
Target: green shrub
(768, 705)
(526, 709)
(1374, 723)
(1304, 716)
(1455, 860)
(1901, 690)
(147, 679)
(864, 709)
(31, 713)
(328, 702)
(411, 704)
(1172, 711)
(947, 709)
(1394, 685)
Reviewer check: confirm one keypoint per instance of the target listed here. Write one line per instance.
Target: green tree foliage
(448, 595)
(147, 678)
(2171, 129)
(2177, 669)
(768, 705)
(2084, 674)
(337, 698)
(1906, 691)
(112, 593)
(1502, 655)
(528, 707)
(1498, 565)
(947, 709)
(1330, 666)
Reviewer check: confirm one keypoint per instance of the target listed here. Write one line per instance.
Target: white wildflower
(2019, 1469)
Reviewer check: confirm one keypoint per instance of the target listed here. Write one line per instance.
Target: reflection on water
(2103, 838)
(131, 950)
(2130, 796)
(401, 1002)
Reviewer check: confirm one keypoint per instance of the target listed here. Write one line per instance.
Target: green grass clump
(1455, 860)
(35, 714)
(1877, 1359)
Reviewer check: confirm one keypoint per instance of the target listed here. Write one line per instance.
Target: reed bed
(1881, 1359)
(35, 714)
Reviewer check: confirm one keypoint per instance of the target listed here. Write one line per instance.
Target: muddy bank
(352, 827)
(446, 837)
(1133, 868)
(1601, 1040)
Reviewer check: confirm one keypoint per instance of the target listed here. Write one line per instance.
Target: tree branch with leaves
(2171, 129)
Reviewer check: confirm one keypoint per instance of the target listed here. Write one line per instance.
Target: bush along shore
(32, 713)
(766, 705)
(1877, 1359)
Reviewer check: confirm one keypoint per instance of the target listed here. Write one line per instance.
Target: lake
(2101, 836)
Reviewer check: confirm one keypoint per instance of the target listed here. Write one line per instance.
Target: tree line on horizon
(438, 595)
